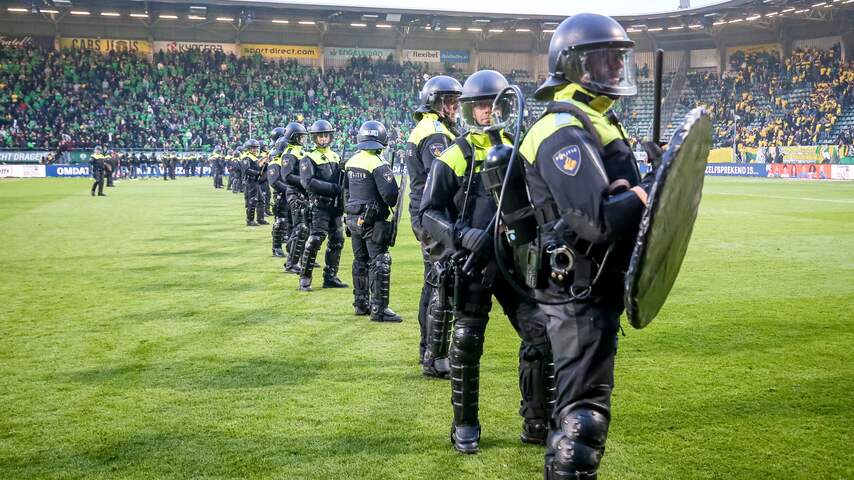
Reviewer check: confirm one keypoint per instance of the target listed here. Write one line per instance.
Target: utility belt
(367, 213)
(321, 201)
(559, 257)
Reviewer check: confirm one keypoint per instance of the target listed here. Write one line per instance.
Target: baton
(656, 112)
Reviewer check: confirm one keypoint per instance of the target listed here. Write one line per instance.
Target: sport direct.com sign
(177, 47)
(279, 51)
(105, 45)
(429, 56)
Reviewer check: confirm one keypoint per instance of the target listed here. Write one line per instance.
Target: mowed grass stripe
(150, 334)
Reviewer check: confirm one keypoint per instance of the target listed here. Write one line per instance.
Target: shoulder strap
(567, 107)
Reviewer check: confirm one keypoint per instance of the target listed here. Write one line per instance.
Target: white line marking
(828, 200)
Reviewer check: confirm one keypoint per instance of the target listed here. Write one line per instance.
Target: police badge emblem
(436, 149)
(568, 160)
(389, 177)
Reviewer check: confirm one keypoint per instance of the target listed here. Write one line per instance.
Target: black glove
(653, 153)
(347, 231)
(474, 240)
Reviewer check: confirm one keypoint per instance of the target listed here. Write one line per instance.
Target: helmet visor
(609, 71)
(322, 139)
(477, 113)
(446, 104)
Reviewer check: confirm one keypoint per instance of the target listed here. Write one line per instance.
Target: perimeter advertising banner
(22, 156)
(280, 51)
(106, 45)
(428, 56)
(11, 41)
(22, 171)
(455, 56)
(799, 170)
(67, 170)
(176, 47)
(334, 53)
(737, 169)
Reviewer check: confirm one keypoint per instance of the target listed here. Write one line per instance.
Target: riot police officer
(110, 163)
(217, 163)
(588, 197)
(97, 169)
(371, 194)
(280, 199)
(295, 134)
(323, 179)
(456, 211)
(263, 184)
(436, 129)
(251, 166)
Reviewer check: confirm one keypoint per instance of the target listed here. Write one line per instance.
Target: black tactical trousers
(98, 183)
(426, 293)
(325, 222)
(297, 228)
(471, 314)
(281, 225)
(253, 201)
(584, 339)
(371, 263)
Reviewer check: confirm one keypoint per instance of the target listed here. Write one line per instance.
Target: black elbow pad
(439, 228)
(622, 215)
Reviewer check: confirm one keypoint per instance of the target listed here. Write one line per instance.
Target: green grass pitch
(150, 334)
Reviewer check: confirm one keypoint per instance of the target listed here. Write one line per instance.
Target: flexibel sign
(429, 56)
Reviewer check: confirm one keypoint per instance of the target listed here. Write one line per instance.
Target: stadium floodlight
(385, 25)
(224, 19)
(481, 20)
(790, 9)
(496, 30)
(522, 30)
(370, 15)
(805, 10)
(47, 10)
(772, 14)
(736, 20)
(111, 14)
(454, 29)
(359, 25)
(196, 17)
(680, 27)
(656, 29)
(17, 10)
(846, 2)
(721, 22)
(818, 4)
(306, 22)
(139, 15)
(551, 30)
(283, 22)
(79, 12)
(753, 17)
(168, 17)
(695, 26)
(633, 30)
(474, 29)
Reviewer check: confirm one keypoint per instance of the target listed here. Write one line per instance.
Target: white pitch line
(828, 200)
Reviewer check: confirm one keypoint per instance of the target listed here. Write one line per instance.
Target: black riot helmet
(252, 145)
(593, 51)
(276, 134)
(481, 87)
(280, 145)
(295, 133)
(321, 133)
(434, 92)
(372, 136)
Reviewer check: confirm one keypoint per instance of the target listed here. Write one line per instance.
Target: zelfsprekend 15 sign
(176, 47)
(342, 52)
(280, 51)
(455, 56)
(429, 56)
(105, 45)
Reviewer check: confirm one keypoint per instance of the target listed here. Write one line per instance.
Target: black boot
(361, 293)
(534, 431)
(439, 319)
(333, 282)
(305, 284)
(277, 252)
(307, 262)
(251, 223)
(537, 386)
(297, 242)
(465, 438)
(379, 283)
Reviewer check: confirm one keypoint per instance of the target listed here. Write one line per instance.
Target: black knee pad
(314, 242)
(468, 344)
(381, 263)
(579, 442)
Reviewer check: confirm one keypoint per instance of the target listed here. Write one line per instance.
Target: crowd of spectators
(57, 100)
(766, 101)
(188, 100)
